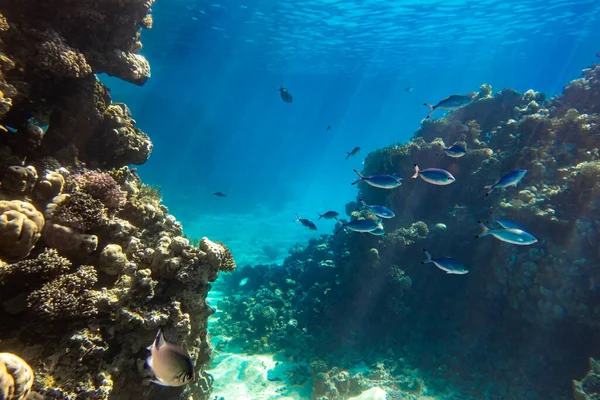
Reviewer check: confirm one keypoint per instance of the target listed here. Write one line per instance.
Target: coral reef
(91, 261)
(371, 292)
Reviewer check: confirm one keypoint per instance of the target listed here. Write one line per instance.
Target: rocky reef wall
(521, 323)
(91, 261)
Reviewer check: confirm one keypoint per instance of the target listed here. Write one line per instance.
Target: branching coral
(79, 211)
(67, 297)
(101, 186)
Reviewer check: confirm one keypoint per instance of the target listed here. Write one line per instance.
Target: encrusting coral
(91, 262)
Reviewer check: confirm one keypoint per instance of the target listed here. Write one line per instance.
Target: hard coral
(67, 297)
(79, 211)
(16, 377)
(20, 228)
(101, 186)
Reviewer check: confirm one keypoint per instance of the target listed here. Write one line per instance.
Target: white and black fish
(170, 364)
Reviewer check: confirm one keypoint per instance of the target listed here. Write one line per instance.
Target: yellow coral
(20, 228)
(16, 377)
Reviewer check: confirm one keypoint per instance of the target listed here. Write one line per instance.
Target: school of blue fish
(508, 231)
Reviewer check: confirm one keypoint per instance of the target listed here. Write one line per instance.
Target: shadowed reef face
(91, 262)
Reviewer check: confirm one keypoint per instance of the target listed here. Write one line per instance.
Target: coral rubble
(91, 262)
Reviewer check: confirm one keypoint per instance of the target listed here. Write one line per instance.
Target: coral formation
(91, 261)
(338, 285)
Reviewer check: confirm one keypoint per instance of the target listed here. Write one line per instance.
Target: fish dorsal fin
(160, 339)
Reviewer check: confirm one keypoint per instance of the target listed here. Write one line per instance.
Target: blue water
(213, 111)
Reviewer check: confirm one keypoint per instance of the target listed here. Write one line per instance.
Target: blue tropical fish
(451, 103)
(450, 265)
(361, 225)
(380, 211)
(383, 181)
(513, 236)
(511, 179)
(307, 223)
(454, 151)
(434, 176)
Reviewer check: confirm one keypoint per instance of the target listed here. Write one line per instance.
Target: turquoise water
(365, 68)
(213, 111)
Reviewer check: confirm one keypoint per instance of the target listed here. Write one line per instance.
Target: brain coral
(16, 377)
(20, 228)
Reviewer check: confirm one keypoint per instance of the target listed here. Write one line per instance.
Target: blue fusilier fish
(383, 181)
(307, 223)
(380, 211)
(511, 179)
(450, 265)
(170, 364)
(454, 151)
(361, 225)
(219, 194)
(434, 176)
(329, 215)
(377, 232)
(285, 95)
(353, 152)
(513, 236)
(451, 103)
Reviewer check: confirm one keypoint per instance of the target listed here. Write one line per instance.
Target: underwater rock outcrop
(91, 262)
(372, 292)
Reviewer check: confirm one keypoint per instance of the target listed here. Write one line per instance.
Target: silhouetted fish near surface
(513, 236)
(361, 225)
(307, 223)
(511, 179)
(328, 127)
(454, 151)
(450, 103)
(383, 181)
(409, 89)
(329, 215)
(285, 95)
(448, 264)
(353, 152)
(219, 194)
(434, 176)
(380, 211)
(170, 364)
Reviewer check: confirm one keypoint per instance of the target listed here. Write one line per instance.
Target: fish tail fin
(364, 203)
(428, 255)
(490, 189)
(484, 229)
(416, 172)
(336, 218)
(320, 216)
(339, 229)
(297, 218)
(431, 109)
(360, 177)
(347, 156)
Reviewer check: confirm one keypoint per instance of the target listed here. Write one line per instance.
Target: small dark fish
(328, 127)
(309, 224)
(434, 176)
(598, 54)
(380, 211)
(361, 225)
(450, 103)
(513, 236)
(409, 89)
(383, 181)
(354, 152)
(454, 151)
(511, 179)
(450, 265)
(329, 215)
(171, 364)
(285, 95)
(219, 194)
